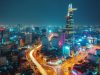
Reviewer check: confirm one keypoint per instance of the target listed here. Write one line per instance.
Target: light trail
(50, 37)
(40, 68)
(64, 66)
(55, 73)
(46, 69)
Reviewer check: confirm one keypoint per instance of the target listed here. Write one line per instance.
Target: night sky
(48, 12)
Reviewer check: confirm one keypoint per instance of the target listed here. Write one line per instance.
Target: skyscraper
(69, 22)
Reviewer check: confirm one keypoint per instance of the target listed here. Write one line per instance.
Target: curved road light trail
(64, 65)
(40, 68)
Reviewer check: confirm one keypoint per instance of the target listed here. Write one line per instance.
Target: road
(61, 69)
(40, 68)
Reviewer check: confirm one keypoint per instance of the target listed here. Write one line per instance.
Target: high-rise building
(28, 38)
(69, 20)
(2, 33)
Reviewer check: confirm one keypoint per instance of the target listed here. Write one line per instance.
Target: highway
(40, 68)
(61, 69)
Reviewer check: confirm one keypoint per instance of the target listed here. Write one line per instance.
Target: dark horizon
(48, 12)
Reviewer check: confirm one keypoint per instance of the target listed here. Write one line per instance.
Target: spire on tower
(70, 8)
(69, 21)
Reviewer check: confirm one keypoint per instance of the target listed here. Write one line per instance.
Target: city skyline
(48, 12)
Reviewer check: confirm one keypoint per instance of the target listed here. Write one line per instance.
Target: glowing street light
(50, 31)
(80, 40)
